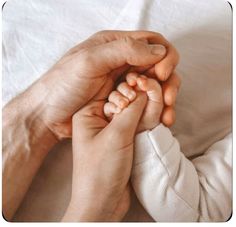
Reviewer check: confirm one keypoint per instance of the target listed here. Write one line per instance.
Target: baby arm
(174, 189)
(169, 186)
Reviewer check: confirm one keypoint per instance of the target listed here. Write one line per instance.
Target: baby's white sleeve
(172, 188)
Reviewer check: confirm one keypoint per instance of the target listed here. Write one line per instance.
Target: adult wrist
(26, 142)
(25, 113)
(81, 210)
(83, 214)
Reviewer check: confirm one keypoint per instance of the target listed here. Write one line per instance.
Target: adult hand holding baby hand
(44, 111)
(125, 93)
(102, 160)
(102, 152)
(79, 75)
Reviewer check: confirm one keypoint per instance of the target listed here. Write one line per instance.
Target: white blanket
(38, 32)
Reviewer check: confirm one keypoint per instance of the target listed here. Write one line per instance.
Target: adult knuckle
(128, 42)
(129, 45)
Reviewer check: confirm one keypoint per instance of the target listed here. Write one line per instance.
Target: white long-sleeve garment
(173, 188)
(36, 33)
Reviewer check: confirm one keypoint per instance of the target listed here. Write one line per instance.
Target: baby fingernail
(157, 49)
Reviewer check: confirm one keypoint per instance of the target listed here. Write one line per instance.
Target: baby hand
(126, 93)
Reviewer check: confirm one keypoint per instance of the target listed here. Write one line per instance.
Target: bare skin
(120, 96)
(105, 50)
(37, 119)
(135, 106)
(102, 195)
(125, 94)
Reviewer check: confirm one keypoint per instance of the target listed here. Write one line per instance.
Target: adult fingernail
(157, 49)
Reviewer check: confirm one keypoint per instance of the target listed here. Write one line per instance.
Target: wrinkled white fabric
(36, 33)
(172, 188)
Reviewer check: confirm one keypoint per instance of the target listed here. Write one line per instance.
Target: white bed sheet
(36, 33)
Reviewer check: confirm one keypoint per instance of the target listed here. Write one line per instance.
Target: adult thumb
(123, 126)
(112, 55)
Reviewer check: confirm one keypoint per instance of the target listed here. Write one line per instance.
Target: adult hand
(81, 73)
(102, 160)
(44, 111)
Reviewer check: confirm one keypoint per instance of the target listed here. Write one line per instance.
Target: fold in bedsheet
(37, 32)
